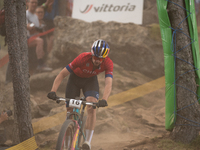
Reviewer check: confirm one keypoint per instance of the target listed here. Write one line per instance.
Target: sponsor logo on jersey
(89, 71)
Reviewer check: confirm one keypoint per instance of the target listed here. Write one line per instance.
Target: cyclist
(83, 72)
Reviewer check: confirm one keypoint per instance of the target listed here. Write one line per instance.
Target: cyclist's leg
(91, 92)
(72, 90)
(91, 118)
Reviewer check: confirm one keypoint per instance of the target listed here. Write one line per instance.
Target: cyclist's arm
(59, 79)
(108, 88)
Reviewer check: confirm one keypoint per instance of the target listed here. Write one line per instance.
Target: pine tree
(184, 131)
(15, 19)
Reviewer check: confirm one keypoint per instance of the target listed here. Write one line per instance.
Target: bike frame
(78, 125)
(74, 145)
(77, 118)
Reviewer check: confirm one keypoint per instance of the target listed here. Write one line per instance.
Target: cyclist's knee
(91, 110)
(91, 99)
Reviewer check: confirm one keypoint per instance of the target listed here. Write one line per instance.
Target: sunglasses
(97, 58)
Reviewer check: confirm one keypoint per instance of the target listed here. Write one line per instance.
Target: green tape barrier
(166, 34)
(194, 35)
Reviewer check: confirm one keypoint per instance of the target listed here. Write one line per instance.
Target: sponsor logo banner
(124, 11)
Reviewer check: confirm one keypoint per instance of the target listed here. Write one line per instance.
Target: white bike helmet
(100, 49)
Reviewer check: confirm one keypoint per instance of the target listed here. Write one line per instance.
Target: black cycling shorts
(89, 86)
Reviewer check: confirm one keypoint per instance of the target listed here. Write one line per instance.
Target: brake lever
(57, 101)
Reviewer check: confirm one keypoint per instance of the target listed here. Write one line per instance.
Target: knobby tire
(68, 125)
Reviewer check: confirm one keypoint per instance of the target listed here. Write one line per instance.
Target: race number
(75, 103)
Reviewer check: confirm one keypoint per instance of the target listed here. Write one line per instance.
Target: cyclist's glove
(52, 95)
(102, 103)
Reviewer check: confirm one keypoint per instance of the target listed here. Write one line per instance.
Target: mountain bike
(72, 133)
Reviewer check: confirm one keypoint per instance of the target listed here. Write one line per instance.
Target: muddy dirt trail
(127, 125)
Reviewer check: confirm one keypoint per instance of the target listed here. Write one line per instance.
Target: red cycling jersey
(82, 66)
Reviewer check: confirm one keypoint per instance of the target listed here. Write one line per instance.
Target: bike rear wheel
(65, 137)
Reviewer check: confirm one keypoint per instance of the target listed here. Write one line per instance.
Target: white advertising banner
(124, 11)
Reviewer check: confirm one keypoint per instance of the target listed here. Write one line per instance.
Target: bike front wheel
(65, 137)
(81, 139)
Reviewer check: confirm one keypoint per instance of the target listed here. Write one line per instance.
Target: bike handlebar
(71, 99)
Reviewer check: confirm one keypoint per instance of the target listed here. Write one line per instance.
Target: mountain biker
(83, 72)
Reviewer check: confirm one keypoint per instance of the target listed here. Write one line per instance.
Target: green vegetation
(196, 143)
(168, 144)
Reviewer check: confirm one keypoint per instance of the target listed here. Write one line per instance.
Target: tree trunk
(184, 130)
(15, 19)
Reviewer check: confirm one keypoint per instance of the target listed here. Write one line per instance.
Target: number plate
(75, 103)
